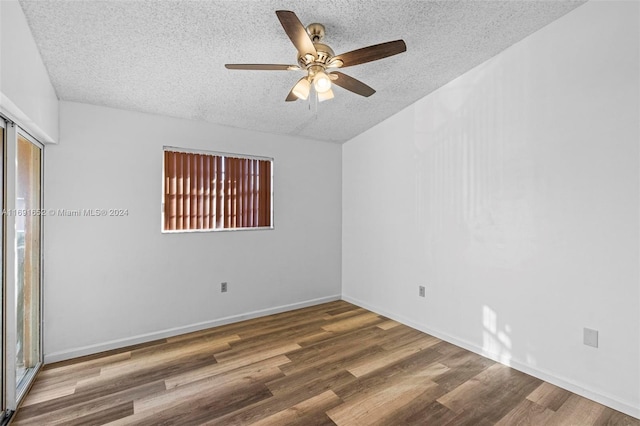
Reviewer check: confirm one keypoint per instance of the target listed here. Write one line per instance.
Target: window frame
(219, 154)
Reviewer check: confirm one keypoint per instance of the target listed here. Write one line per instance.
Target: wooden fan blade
(296, 32)
(262, 67)
(371, 53)
(353, 85)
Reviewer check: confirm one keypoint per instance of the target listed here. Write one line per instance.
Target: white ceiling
(167, 57)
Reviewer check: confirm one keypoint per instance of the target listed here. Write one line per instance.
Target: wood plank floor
(329, 364)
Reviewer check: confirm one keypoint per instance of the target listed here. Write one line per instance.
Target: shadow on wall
(495, 340)
(478, 215)
(475, 171)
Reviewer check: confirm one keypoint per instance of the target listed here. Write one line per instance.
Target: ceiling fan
(319, 62)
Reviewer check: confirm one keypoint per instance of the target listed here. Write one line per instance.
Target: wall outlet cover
(590, 337)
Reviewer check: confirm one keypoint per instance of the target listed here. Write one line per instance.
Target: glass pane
(28, 259)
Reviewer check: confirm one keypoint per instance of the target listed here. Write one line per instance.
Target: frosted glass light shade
(321, 82)
(301, 89)
(324, 96)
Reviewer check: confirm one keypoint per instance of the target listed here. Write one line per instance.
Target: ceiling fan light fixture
(321, 82)
(319, 61)
(325, 96)
(302, 88)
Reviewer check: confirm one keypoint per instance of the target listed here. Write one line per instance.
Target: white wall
(512, 194)
(26, 93)
(113, 281)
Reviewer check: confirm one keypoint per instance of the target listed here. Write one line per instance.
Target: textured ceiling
(167, 57)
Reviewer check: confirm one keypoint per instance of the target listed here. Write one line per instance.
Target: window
(213, 191)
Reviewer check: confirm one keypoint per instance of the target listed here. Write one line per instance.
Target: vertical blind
(207, 191)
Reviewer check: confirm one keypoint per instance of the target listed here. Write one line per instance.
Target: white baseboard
(148, 337)
(626, 407)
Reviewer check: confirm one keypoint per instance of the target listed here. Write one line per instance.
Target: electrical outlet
(223, 287)
(421, 291)
(590, 337)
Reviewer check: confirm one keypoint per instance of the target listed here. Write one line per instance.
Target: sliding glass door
(21, 263)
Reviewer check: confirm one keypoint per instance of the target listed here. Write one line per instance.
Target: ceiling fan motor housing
(324, 52)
